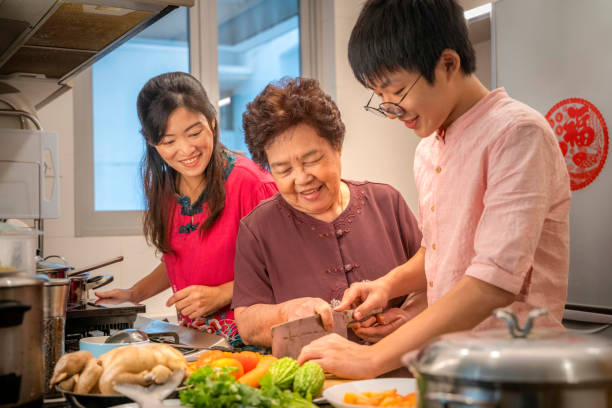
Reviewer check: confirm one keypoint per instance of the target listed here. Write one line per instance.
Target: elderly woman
(303, 247)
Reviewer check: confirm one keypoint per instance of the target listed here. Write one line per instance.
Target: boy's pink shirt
(494, 202)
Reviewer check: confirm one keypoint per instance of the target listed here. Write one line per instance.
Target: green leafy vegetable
(216, 387)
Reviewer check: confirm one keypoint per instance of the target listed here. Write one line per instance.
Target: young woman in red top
(197, 191)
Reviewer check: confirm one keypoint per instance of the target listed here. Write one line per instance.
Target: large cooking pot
(21, 325)
(519, 368)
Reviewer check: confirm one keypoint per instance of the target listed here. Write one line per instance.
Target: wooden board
(331, 380)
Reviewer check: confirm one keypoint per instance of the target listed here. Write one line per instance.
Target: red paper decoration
(583, 138)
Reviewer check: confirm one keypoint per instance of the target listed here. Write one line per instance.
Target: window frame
(204, 66)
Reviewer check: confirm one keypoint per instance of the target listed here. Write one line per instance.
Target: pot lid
(540, 356)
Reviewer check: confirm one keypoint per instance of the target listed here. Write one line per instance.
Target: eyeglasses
(389, 108)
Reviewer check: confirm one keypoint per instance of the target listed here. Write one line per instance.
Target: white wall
(375, 149)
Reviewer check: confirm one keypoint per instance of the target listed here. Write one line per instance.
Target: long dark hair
(158, 98)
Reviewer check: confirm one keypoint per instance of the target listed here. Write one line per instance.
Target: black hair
(410, 35)
(159, 97)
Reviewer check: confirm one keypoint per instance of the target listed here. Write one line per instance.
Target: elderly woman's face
(306, 169)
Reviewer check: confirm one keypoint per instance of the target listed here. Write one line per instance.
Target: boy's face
(426, 107)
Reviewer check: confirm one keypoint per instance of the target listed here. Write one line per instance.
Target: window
(256, 41)
(116, 80)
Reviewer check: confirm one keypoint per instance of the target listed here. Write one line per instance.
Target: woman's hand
(197, 300)
(374, 329)
(303, 307)
(341, 357)
(115, 296)
(364, 297)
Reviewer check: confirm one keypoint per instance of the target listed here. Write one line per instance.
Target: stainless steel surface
(187, 336)
(80, 285)
(543, 356)
(55, 300)
(447, 394)
(499, 368)
(21, 318)
(55, 297)
(51, 269)
(127, 336)
(288, 338)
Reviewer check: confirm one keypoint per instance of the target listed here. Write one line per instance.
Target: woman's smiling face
(187, 143)
(307, 170)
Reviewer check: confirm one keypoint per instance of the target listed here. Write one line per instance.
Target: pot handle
(447, 399)
(11, 312)
(511, 320)
(99, 281)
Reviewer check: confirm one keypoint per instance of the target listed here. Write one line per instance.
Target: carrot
(252, 377)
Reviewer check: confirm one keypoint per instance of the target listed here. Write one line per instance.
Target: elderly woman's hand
(307, 306)
(375, 328)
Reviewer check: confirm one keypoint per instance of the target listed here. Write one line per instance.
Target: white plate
(335, 395)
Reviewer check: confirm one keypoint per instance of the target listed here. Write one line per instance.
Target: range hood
(43, 43)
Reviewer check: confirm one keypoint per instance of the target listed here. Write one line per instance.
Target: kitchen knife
(289, 338)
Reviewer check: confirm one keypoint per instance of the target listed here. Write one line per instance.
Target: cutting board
(331, 380)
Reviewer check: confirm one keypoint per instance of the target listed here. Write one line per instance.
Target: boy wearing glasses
(493, 188)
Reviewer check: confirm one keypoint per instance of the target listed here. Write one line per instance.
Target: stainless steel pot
(21, 364)
(54, 324)
(517, 368)
(80, 285)
(62, 270)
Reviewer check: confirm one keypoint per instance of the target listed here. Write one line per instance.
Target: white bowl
(335, 395)
(97, 347)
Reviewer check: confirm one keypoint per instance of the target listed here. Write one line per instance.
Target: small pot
(80, 285)
(523, 368)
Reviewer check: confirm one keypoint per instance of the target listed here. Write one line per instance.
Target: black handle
(11, 312)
